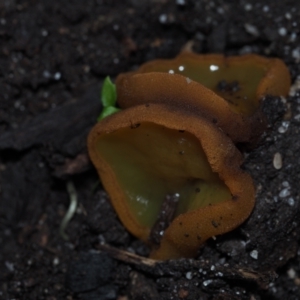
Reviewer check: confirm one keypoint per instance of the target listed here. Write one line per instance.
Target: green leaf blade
(108, 93)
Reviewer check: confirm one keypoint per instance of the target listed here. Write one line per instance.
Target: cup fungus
(226, 90)
(168, 160)
(173, 177)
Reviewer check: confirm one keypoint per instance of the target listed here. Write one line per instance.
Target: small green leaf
(108, 93)
(107, 111)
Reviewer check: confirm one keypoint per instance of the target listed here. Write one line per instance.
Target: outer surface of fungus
(146, 153)
(226, 90)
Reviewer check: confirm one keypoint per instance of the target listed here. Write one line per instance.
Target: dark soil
(54, 56)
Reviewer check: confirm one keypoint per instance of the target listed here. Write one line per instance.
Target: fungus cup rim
(137, 87)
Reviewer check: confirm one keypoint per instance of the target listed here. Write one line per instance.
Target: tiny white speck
(46, 74)
(207, 282)
(288, 16)
(188, 80)
(212, 268)
(295, 87)
(284, 193)
(248, 6)
(296, 53)
(55, 261)
(57, 75)
(171, 72)
(220, 10)
(189, 275)
(17, 104)
(254, 254)
(181, 68)
(266, 8)
(285, 184)
(297, 117)
(282, 31)
(291, 201)
(44, 32)
(101, 239)
(293, 37)
(291, 273)
(180, 2)
(284, 127)
(163, 18)
(251, 29)
(213, 68)
(9, 266)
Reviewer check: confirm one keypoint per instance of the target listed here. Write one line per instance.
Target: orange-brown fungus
(147, 153)
(226, 90)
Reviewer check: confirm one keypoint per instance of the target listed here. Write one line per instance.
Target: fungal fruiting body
(148, 152)
(168, 159)
(225, 90)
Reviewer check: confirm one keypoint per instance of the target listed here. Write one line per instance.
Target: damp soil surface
(54, 56)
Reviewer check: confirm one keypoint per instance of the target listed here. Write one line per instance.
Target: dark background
(54, 56)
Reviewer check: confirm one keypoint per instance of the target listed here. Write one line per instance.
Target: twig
(71, 210)
(204, 267)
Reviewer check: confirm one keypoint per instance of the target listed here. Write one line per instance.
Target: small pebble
(284, 127)
(44, 32)
(282, 31)
(291, 273)
(248, 6)
(180, 2)
(163, 18)
(207, 282)
(46, 74)
(254, 254)
(293, 37)
(284, 193)
(285, 184)
(55, 261)
(251, 29)
(297, 117)
(189, 275)
(277, 161)
(296, 54)
(57, 75)
(288, 16)
(266, 8)
(295, 87)
(291, 201)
